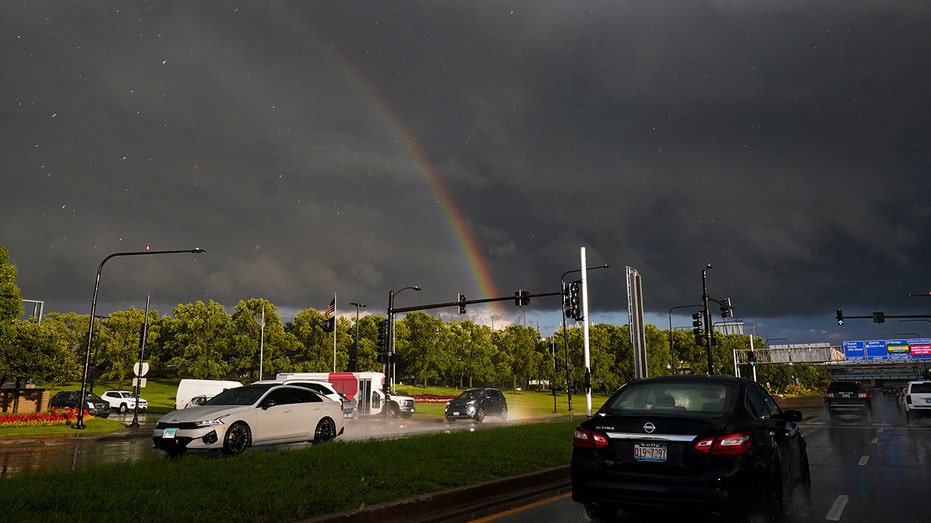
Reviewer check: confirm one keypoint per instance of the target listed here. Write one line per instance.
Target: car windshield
(702, 398)
(921, 388)
(239, 395)
(468, 395)
(93, 397)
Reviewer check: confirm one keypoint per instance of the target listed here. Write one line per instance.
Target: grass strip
(287, 485)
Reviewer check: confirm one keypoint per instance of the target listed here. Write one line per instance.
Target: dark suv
(96, 406)
(847, 396)
(475, 404)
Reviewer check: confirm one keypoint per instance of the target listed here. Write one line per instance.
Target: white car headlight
(209, 422)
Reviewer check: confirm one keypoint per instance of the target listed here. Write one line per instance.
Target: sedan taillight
(587, 439)
(731, 444)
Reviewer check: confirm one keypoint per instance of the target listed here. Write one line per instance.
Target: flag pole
(334, 332)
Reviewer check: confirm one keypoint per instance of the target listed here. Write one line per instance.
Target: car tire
(774, 507)
(450, 420)
(238, 438)
(504, 412)
(123, 408)
(908, 417)
(599, 512)
(325, 431)
(480, 415)
(392, 410)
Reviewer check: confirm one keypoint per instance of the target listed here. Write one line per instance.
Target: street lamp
(355, 356)
(90, 329)
(565, 336)
(389, 381)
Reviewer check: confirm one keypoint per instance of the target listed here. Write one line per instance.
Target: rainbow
(458, 224)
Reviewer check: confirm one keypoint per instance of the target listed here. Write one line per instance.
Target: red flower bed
(39, 419)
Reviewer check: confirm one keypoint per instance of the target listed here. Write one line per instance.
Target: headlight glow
(209, 422)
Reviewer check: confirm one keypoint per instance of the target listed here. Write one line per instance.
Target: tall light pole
(90, 329)
(565, 336)
(355, 356)
(389, 375)
(707, 315)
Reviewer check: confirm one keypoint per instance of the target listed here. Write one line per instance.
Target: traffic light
(840, 317)
(382, 337)
(697, 328)
(521, 298)
(879, 317)
(462, 303)
(751, 358)
(727, 310)
(571, 301)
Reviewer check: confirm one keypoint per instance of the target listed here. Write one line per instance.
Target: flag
(330, 309)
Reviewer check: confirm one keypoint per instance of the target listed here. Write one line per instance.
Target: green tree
(199, 336)
(421, 350)
(272, 346)
(316, 354)
(11, 308)
(118, 340)
(38, 354)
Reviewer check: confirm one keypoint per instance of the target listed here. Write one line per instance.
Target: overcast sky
(353, 148)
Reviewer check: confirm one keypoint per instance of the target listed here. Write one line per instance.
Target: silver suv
(917, 400)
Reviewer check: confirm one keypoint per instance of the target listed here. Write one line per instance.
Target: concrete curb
(459, 504)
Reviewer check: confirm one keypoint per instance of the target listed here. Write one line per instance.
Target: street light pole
(565, 336)
(79, 424)
(389, 365)
(707, 315)
(355, 356)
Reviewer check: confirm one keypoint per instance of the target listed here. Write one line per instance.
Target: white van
(195, 392)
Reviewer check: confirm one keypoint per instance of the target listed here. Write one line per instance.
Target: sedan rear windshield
(677, 398)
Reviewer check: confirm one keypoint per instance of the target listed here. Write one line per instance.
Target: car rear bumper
(721, 491)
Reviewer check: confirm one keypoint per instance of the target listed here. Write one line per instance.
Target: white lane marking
(863, 460)
(837, 509)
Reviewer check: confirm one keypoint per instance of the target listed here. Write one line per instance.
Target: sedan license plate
(653, 452)
(169, 433)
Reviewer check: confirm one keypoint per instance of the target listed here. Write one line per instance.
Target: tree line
(204, 341)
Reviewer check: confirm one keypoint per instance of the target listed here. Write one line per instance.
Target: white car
(123, 401)
(257, 414)
(320, 387)
(917, 400)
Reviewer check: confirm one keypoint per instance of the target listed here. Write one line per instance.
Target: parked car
(241, 417)
(349, 406)
(95, 405)
(123, 401)
(323, 388)
(701, 444)
(475, 404)
(917, 400)
(848, 396)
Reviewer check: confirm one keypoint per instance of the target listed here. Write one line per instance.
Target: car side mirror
(791, 415)
(268, 403)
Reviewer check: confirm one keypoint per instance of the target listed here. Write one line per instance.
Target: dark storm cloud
(786, 144)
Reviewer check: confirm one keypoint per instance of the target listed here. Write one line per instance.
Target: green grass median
(287, 485)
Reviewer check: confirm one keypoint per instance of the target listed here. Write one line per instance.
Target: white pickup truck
(917, 399)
